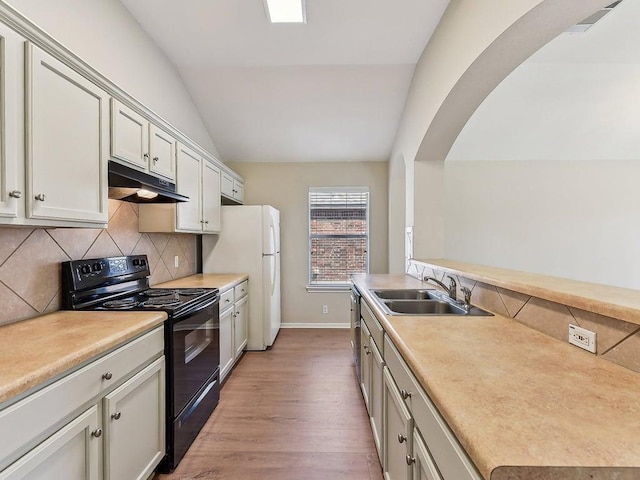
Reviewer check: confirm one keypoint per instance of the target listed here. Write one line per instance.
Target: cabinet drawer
(448, 454)
(241, 290)
(23, 423)
(226, 299)
(374, 326)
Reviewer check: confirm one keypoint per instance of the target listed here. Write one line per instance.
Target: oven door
(195, 351)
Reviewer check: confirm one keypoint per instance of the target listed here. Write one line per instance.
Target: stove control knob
(136, 262)
(97, 267)
(85, 269)
(143, 262)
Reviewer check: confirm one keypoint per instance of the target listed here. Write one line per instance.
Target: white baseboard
(315, 325)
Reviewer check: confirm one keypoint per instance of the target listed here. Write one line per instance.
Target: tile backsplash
(30, 258)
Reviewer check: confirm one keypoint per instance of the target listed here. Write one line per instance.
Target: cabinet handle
(227, 300)
(96, 433)
(401, 438)
(155, 159)
(15, 193)
(146, 156)
(206, 222)
(201, 221)
(237, 314)
(41, 197)
(107, 376)
(404, 394)
(410, 460)
(116, 416)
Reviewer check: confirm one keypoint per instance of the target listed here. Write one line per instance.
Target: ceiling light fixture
(286, 11)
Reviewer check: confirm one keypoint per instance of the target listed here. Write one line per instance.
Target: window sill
(328, 288)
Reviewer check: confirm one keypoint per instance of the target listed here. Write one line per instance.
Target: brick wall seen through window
(338, 234)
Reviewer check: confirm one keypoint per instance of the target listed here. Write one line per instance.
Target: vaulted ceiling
(330, 90)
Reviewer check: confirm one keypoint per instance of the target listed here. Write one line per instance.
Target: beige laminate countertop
(616, 302)
(523, 405)
(207, 280)
(36, 350)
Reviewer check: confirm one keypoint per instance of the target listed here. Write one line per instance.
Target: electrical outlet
(176, 261)
(582, 338)
(325, 308)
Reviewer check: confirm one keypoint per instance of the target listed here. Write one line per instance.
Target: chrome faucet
(451, 289)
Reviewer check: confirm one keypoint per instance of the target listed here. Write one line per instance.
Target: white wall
(571, 219)
(286, 187)
(103, 33)
(475, 46)
(544, 176)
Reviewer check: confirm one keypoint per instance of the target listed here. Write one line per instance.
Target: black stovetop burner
(122, 283)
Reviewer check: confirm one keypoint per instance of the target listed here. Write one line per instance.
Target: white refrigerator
(250, 243)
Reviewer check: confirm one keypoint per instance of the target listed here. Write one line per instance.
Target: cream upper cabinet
(162, 150)
(12, 191)
(198, 179)
(140, 144)
(188, 182)
(211, 212)
(67, 142)
(232, 188)
(129, 136)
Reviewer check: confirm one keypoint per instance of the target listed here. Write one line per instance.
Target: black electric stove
(192, 345)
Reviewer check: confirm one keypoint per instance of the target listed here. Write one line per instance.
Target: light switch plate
(176, 261)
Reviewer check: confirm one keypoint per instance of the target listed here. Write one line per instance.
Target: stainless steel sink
(408, 294)
(430, 307)
(422, 307)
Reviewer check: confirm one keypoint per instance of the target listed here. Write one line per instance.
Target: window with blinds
(338, 234)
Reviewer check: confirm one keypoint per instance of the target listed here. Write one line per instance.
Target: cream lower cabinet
(365, 365)
(72, 453)
(105, 420)
(431, 449)
(234, 317)
(372, 363)
(134, 425)
(398, 436)
(240, 330)
(226, 342)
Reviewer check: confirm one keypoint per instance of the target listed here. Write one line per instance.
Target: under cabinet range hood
(130, 185)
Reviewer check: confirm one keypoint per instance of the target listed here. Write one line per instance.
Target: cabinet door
(376, 396)
(188, 183)
(398, 431)
(226, 185)
(226, 342)
(134, 424)
(423, 466)
(67, 142)
(240, 326)
(365, 364)
(11, 112)
(210, 197)
(238, 190)
(72, 453)
(129, 136)
(162, 149)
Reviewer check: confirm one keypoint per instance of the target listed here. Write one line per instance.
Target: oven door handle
(196, 308)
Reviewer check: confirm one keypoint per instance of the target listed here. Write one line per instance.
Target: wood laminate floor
(293, 412)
